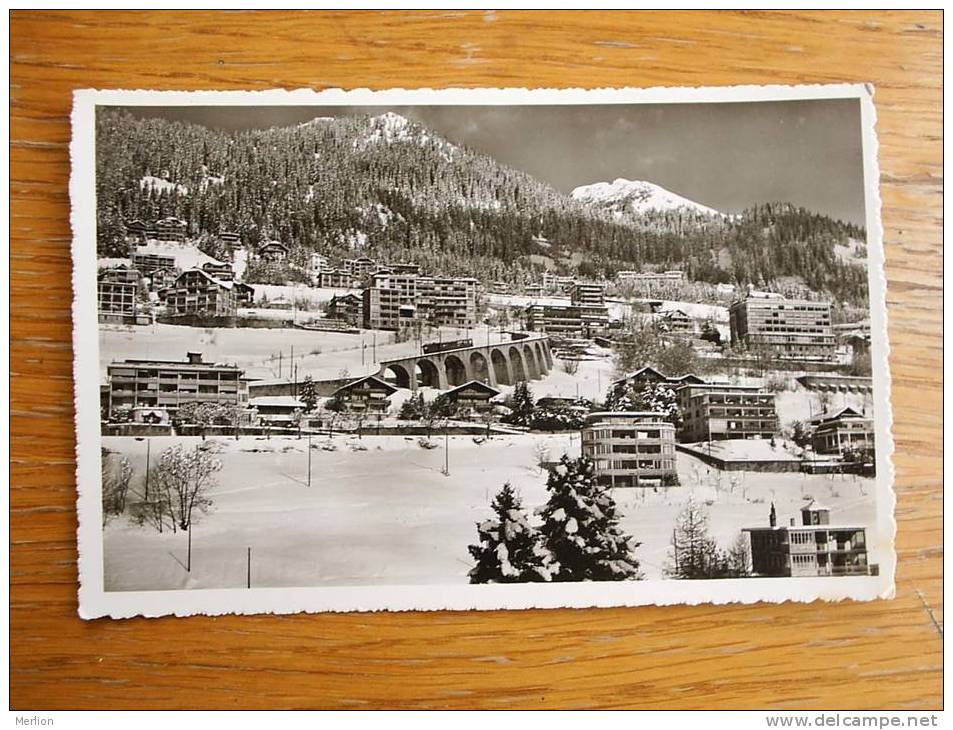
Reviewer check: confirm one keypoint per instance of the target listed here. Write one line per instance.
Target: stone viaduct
(504, 363)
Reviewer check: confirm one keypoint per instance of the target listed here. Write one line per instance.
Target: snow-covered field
(319, 354)
(388, 515)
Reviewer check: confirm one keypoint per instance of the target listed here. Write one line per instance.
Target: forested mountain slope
(389, 187)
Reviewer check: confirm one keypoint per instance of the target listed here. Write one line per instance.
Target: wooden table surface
(885, 654)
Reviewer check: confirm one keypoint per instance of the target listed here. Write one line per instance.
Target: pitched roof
(834, 414)
(372, 380)
(477, 385)
(640, 371)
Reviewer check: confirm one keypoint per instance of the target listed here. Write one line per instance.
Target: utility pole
(148, 462)
(446, 448)
(309, 459)
(374, 345)
(248, 571)
(279, 363)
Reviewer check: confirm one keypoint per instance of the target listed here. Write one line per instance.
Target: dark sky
(724, 155)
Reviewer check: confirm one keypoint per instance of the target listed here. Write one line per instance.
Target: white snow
(161, 185)
(623, 196)
(352, 527)
(187, 256)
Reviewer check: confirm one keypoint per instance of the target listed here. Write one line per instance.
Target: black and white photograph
(479, 349)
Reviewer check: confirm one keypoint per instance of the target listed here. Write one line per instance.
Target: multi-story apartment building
(568, 320)
(842, 430)
(587, 294)
(117, 292)
(630, 449)
(651, 279)
(360, 268)
(403, 268)
(390, 299)
(716, 411)
(195, 292)
(557, 284)
(793, 328)
(170, 229)
(814, 548)
(231, 240)
(166, 384)
(149, 263)
(336, 279)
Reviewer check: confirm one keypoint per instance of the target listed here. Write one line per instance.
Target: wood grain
(885, 654)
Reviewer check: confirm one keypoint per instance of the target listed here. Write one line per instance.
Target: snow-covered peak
(389, 127)
(636, 196)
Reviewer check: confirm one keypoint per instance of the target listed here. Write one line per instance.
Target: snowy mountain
(636, 197)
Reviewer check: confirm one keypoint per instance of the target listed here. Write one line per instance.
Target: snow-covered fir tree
(522, 405)
(581, 528)
(655, 397)
(510, 549)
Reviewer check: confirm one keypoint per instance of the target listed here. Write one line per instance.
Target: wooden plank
(878, 655)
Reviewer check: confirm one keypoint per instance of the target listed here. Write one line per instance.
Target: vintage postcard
(479, 349)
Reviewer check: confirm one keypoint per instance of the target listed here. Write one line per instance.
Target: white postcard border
(95, 602)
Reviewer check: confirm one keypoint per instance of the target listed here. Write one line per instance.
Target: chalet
(369, 394)
(676, 322)
(244, 294)
(170, 229)
(648, 375)
(136, 230)
(349, 308)
(843, 430)
(195, 292)
(219, 270)
(273, 251)
(472, 399)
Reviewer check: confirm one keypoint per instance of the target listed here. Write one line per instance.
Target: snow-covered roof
(276, 401)
(186, 256)
(475, 384)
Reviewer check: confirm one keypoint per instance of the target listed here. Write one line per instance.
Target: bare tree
(570, 367)
(541, 454)
(116, 476)
(183, 479)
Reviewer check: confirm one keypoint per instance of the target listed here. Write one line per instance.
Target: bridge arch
(397, 375)
(529, 358)
(456, 370)
(501, 367)
(516, 365)
(426, 373)
(540, 359)
(479, 367)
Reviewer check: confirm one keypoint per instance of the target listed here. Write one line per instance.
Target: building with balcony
(273, 251)
(812, 549)
(651, 280)
(164, 385)
(117, 293)
(149, 262)
(369, 394)
(170, 229)
(568, 320)
(394, 301)
(843, 430)
(336, 279)
(195, 292)
(348, 308)
(587, 293)
(797, 329)
(473, 399)
(630, 449)
(715, 411)
(219, 270)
